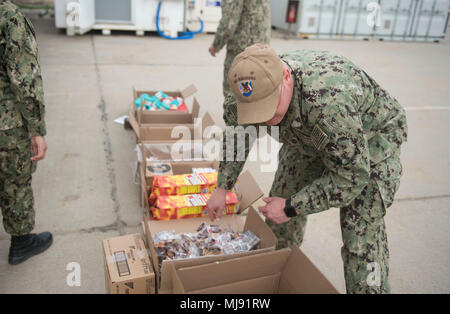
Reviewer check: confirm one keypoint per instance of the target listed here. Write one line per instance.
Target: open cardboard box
(178, 167)
(160, 130)
(286, 271)
(128, 269)
(163, 157)
(141, 120)
(248, 192)
(166, 116)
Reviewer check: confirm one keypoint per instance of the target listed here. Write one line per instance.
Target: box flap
(248, 190)
(151, 246)
(300, 275)
(134, 124)
(221, 273)
(207, 121)
(262, 285)
(188, 91)
(168, 266)
(195, 109)
(134, 94)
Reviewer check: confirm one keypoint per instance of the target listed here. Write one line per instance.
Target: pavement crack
(107, 147)
(111, 227)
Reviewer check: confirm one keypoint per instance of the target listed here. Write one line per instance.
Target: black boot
(24, 247)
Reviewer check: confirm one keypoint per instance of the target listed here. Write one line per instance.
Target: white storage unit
(353, 20)
(319, 17)
(430, 20)
(132, 15)
(315, 18)
(397, 17)
(348, 19)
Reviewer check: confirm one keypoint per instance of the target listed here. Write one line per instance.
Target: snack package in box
(183, 184)
(167, 207)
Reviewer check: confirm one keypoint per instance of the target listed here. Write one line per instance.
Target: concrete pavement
(84, 189)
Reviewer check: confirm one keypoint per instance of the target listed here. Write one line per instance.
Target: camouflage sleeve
(236, 146)
(231, 14)
(339, 136)
(22, 65)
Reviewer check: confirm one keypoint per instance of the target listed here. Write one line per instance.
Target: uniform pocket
(380, 149)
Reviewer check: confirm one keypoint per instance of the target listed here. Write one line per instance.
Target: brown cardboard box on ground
(128, 269)
(286, 271)
(248, 192)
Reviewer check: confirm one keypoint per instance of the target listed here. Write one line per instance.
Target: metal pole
(184, 16)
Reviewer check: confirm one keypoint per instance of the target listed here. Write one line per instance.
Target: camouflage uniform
(243, 23)
(341, 148)
(21, 117)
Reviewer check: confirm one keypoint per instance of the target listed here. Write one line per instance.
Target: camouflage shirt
(243, 23)
(21, 92)
(337, 113)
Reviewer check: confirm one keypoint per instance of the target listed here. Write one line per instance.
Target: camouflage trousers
(231, 54)
(16, 168)
(365, 252)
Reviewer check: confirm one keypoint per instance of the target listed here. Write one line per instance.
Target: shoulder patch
(319, 137)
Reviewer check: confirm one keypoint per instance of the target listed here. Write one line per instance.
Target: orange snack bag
(167, 207)
(183, 184)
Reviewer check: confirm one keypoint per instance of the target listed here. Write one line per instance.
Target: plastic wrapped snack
(207, 240)
(160, 101)
(184, 184)
(167, 207)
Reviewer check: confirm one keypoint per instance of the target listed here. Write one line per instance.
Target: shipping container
(419, 20)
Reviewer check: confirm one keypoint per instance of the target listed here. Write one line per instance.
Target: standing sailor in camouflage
(22, 131)
(243, 23)
(341, 135)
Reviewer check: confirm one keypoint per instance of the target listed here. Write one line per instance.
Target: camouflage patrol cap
(254, 78)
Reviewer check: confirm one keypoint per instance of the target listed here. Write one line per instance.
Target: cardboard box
(166, 116)
(286, 271)
(158, 125)
(248, 192)
(128, 269)
(178, 167)
(167, 207)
